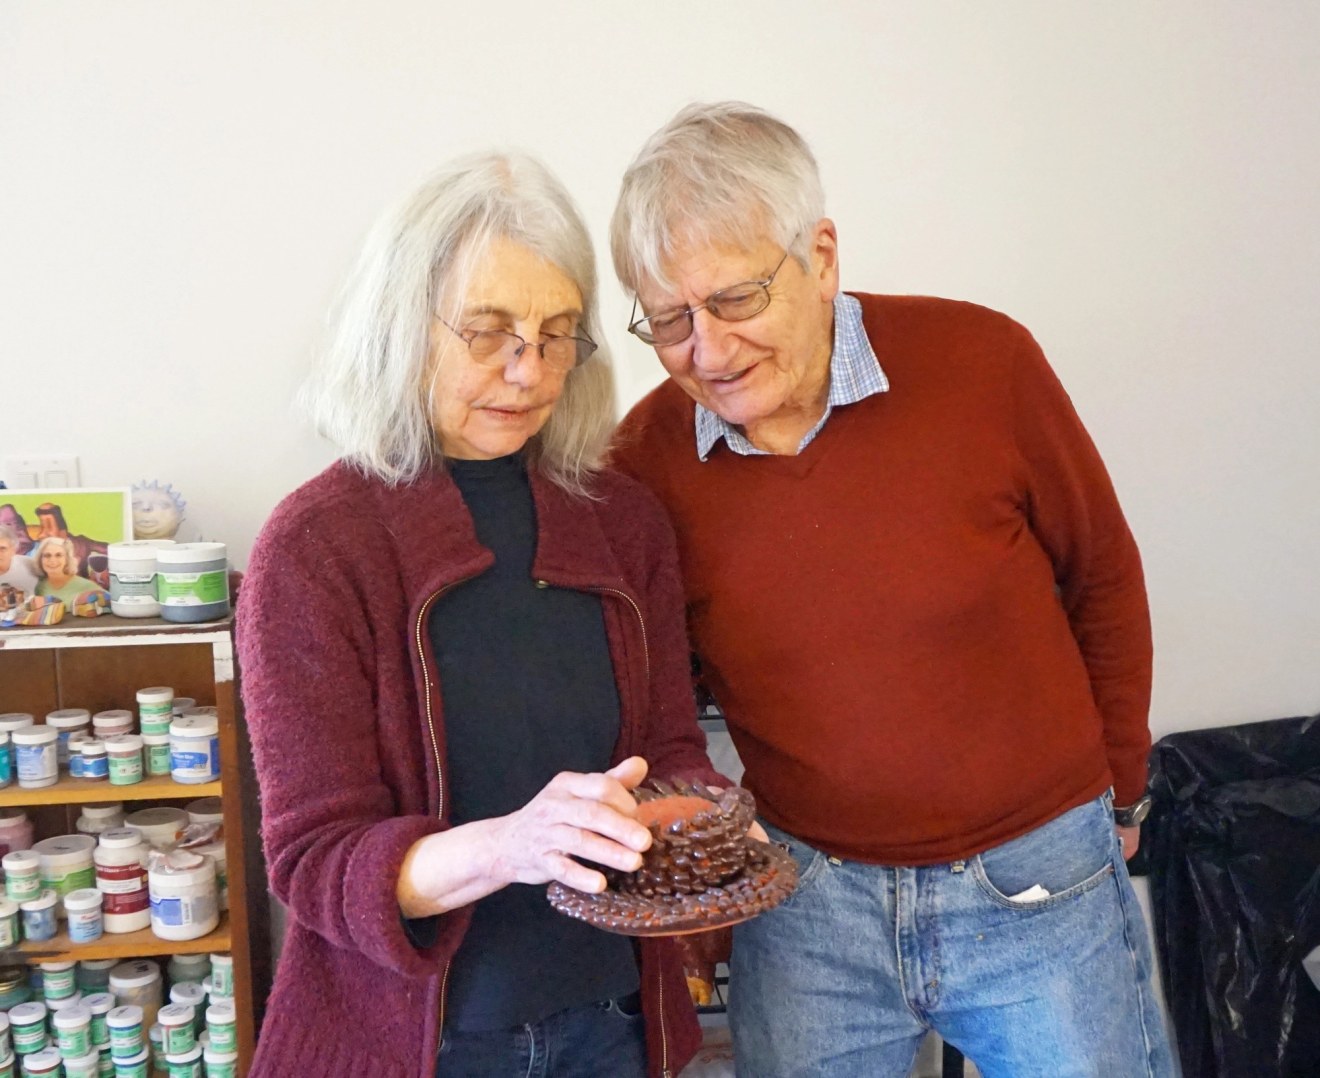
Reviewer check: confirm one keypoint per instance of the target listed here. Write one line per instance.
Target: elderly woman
(57, 567)
(462, 645)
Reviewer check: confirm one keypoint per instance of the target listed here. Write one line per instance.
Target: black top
(528, 691)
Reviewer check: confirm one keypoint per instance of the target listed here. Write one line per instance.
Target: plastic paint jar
(182, 704)
(121, 877)
(83, 909)
(85, 1066)
(161, 826)
(138, 983)
(185, 968)
(76, 741)
(133, 577)
(98, 818)
(39, 917)
(195, 748)
(178, 1023)
(64, 722)
(125, 1025)
(221, 1024)
(27, 1022)
(22, 874)
(185, 1065)
(205, 810)
(13, 987)
(94, 973)
(9, 722)
(190, 994)
(6, 1048)
(155, 709)
(43, 1064)
(15, 830)
(192, 582)
(94, 759)
(220, 1064)
(116, 721)
(98, 1005)
(156, 750)
(156, 1039)
(7, 1065)
(222, 976)
(6, 760)
(73, 1031)
(184, 902)
(58, 980)
(66, 864)
(216, 852)
(134, 1066)
(35, 759)
(125, 754)
(9, 935)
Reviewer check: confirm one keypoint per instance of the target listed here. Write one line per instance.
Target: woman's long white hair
(369, 393)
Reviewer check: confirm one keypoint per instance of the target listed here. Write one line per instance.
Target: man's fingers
(571, 874)
(592, 847)
(629, 773)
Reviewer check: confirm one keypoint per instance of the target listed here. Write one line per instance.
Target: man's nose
(714, 343)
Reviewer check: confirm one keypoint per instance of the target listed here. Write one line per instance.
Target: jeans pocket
(1059, 860)
(811, 863)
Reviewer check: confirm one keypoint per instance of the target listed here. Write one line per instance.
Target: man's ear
(824, 254)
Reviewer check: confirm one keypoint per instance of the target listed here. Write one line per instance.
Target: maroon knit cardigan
(340, 690)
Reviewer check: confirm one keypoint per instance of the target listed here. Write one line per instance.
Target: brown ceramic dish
(701, 871)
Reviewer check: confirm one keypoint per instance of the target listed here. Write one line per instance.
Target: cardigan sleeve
(333, 839)
(1075, 515)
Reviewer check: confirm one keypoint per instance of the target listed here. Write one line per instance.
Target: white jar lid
(212, 1056)
(122, 744)
(12, 817)
(64, 849)
(187, 553)
(67, 717)
(85, 898)
(191, 1056)
(221, 1012)
(136, 974)
(190, 993)
(121, 838)
(157, 694)
(183, 866)
(176, 1014)
(115, 716)
(158, 816)
(205, 806)
(183, 703)
(8, 907)
(34, 735)
(127, 1015)
(72, 1017)
(20, 860)
(14, 720)
(222, 959)
(99, 1002)
(155, 739)
(91, 747)
(55, 967)
(27, 1013)
(44, 901)
(194, 725)
(44, 1061)
(136, 549)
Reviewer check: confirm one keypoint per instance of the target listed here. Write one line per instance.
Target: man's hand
(1130, 837)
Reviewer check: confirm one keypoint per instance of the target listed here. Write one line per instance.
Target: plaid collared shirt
(855, 374)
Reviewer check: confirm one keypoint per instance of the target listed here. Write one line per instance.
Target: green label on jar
(74, 1043)
(221, 1070)
(223, 1038)
(192, 589)
(158, 759)
(29, 1039)
(125, 770)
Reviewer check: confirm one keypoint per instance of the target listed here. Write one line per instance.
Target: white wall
(182, 186)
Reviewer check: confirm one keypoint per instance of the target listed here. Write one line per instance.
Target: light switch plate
(28, 473)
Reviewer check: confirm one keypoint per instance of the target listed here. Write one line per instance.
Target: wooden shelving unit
(100, 664)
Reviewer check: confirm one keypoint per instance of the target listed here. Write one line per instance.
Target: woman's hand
(585, 816)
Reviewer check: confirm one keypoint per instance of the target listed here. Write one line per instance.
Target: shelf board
(138, 944)
(110, 629)
(81, 791)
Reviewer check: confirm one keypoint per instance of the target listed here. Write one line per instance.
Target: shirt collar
(855, 374)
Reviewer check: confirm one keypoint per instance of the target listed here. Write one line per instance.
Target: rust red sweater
(928, 630)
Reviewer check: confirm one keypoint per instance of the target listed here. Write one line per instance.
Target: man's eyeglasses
(499, 348)
(736, 303)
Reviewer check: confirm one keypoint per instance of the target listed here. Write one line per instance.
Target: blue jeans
(591, 1041)
(847, 976)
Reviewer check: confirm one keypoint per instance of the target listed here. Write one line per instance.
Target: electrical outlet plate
(46, 472)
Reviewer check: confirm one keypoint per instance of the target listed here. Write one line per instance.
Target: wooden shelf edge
(138, 944)
(69, 791)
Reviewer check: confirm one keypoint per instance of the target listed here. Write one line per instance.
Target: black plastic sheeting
(1233, 851)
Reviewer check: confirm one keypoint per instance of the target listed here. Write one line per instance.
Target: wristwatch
(1133, 814)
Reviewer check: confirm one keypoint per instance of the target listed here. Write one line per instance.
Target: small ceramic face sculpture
(157, 512)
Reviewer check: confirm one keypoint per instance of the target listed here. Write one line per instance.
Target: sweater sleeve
(1075, 515)
(334, 842)
(675, 744)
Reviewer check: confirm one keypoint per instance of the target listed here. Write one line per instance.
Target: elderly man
(15, 569)
(912, 590)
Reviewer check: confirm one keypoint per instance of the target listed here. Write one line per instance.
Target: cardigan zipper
(665, 1072)
(435, 752)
